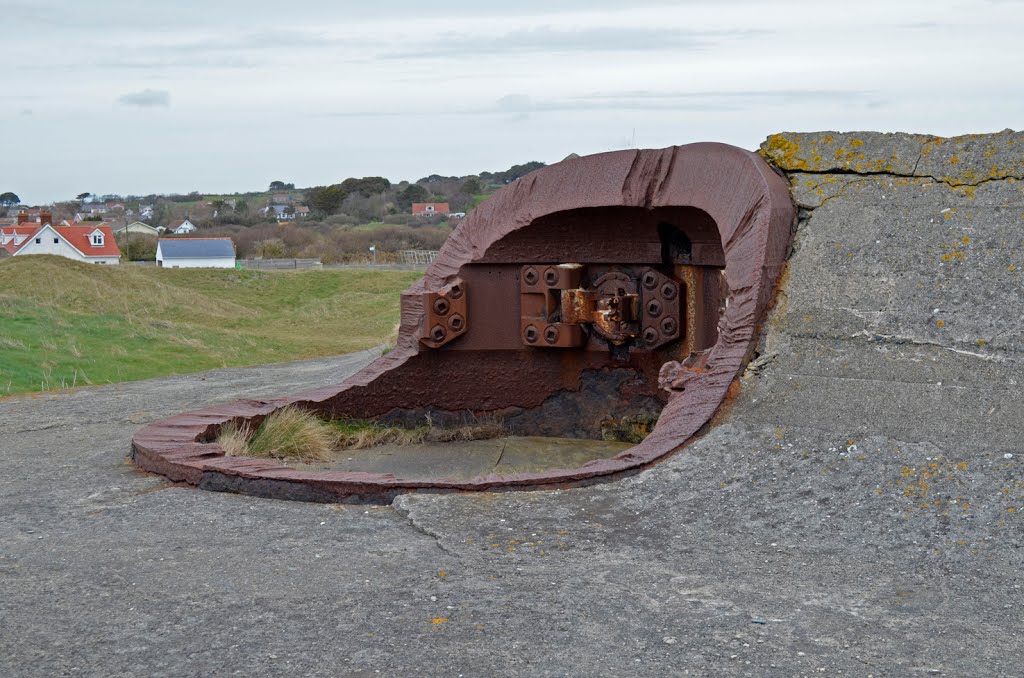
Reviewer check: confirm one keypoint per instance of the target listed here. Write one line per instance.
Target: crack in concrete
(913, 175)
(406, 513)
(900, 340)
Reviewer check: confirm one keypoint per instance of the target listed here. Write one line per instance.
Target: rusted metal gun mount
(560, 305)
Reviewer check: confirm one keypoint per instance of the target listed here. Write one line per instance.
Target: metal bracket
(555, 307)
(445, 317)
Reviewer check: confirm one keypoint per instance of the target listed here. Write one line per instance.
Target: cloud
(547, 40)
(515, 103)
(520, 106)
(147, 98)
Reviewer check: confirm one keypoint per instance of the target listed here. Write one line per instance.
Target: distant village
(357, 220)
(92, 234)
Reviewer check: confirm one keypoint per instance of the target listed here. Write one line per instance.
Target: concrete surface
(856, 511)
(468, 459)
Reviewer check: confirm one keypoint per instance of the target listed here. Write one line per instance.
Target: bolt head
(668, 325)
(441, 306)
(531, 276)
(654, 308)
(456, 322)
(531, 334)
(455, 292)
(669, 291)
(551, 277)
(649, 279)
(551, 334)
(650, 336)
(438, 333)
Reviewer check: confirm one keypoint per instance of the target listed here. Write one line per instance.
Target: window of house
(97, 239)
(56, 241)
(39, 241)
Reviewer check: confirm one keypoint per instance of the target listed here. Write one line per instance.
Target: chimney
(45, 217)
(23, 217)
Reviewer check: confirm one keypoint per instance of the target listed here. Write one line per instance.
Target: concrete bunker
(606, 289)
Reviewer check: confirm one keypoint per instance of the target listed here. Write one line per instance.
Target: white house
(138, 227)
(91, 243)
(195, 253)
(182, 227)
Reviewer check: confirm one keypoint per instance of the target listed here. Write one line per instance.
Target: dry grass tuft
(288, 433)
(358, 435)
(234, 439)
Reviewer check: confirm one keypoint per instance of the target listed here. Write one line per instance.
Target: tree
(326, 199)
(412, 193)
(281, 186)
(241, 206)
(82, 196)
(366, 186)
(471, 186)
(9, 199)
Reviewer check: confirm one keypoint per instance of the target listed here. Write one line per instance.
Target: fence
(280, 264)
(417, 257)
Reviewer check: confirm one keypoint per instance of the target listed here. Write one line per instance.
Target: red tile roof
(21, 229)
(77, 235)
(421, 208)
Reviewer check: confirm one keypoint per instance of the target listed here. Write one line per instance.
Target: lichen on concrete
(958, 161)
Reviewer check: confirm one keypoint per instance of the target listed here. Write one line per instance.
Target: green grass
(64, 323)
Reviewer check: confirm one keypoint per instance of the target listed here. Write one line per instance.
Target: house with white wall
(89, 243)
(140, 228)
(195, 253)
(182, 227)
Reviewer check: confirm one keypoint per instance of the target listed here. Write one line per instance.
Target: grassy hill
(64, 323)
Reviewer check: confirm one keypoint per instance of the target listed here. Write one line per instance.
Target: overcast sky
(136, 96)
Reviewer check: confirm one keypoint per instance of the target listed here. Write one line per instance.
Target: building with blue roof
(195, 253)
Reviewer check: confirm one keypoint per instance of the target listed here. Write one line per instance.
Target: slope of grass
(64, 323)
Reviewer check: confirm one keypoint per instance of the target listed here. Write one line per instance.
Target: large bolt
(668, 326)
(531, 334)
(668, 290)
(456, 322)
(531, 276)
(455, 292)
(551, 277)
(438, 333)
(649, 279)
(441, 306)
(650, 336)
(654, 308)
(551, 334)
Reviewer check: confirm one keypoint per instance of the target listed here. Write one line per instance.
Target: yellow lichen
(784, 152)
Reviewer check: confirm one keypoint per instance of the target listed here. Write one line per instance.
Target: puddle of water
(470, 459)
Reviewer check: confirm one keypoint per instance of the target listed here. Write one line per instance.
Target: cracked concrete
(856, 510)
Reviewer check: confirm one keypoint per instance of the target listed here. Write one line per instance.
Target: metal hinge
(555, 307)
